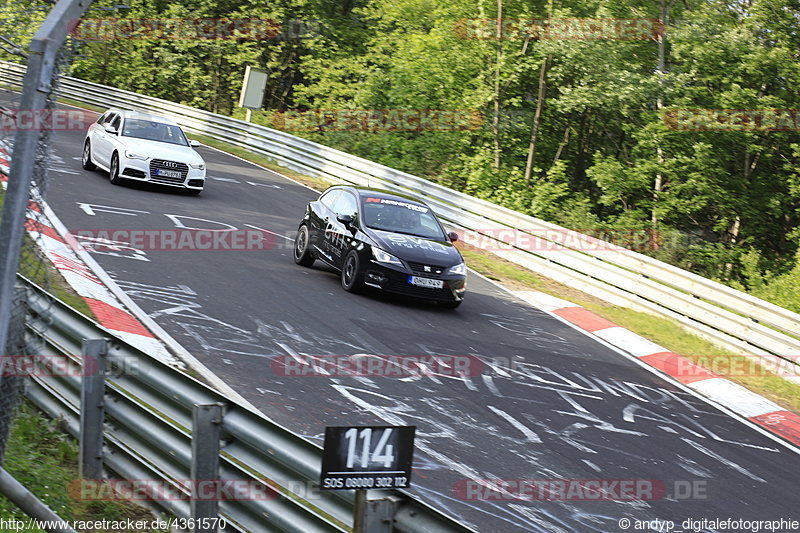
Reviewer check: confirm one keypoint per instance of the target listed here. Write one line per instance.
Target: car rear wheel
(86, 158)
(113, 173)
(351, 273)
(302, 255)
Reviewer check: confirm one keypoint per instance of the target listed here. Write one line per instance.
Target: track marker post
(364, 458)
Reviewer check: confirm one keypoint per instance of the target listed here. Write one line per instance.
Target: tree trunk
(498, 59)
(659, 181)
(538, 113)
(564, 141)
(536, 119)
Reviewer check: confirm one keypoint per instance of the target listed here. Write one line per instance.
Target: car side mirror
(453, 236)
(110, 129)
(345, 219)
(193, 143)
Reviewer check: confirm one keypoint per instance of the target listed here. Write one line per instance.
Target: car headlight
(383, 257)
(134, 155)
(459, 269)
(198, 166)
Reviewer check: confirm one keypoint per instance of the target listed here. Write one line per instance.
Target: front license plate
(168, 173)
(426, 282)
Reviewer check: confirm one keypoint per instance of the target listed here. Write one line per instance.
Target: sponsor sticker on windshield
(407, 205)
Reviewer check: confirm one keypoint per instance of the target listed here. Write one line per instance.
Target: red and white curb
(5, 163)
(114, 309)
(721, 391)
(110, 313)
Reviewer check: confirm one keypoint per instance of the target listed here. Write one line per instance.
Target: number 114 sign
(367, 457)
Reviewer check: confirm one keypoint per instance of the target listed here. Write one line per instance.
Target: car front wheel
(113, 173)
(351, 273)
(302, 255)
(86, 158)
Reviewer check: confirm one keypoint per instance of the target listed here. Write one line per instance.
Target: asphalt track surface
(571, 408)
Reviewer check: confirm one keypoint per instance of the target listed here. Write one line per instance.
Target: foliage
(605, 156)
(44, 460)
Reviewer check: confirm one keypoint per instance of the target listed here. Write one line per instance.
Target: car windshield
(400, 217)
(153, 131)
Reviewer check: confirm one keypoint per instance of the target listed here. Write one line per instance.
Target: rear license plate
(426, 282)
(168, 173)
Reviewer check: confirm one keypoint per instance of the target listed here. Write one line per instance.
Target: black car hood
(416, 249)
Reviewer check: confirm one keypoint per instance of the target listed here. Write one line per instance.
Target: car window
(329, 198)
(108, 118)
(102, 118)
(116, 123)
(346, 205)
(400, 216)
(154, 131)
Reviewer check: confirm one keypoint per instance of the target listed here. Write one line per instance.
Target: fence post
(93, 387)
(36, 88)
(206, 429)
(360, 511)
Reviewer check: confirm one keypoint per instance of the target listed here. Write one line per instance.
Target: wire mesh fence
(19, 21)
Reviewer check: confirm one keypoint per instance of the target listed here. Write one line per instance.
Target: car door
(340, 235)
(320, 223)
(102, 141)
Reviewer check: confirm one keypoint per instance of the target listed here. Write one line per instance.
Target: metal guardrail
(730, 317)
(148, 428)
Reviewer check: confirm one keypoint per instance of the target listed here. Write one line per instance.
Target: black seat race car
(384, 240)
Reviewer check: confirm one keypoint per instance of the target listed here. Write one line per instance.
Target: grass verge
(45, 460)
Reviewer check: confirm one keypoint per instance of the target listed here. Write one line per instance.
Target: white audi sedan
(131, 145)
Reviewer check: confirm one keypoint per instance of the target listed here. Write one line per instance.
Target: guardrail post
(93, 385)
(206, 429)
(379, 515)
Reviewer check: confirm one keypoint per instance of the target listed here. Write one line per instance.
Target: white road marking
(178, 224)
(93, 209)
(489, 382)
(296, 357)
(591, 465)
(270, 185)
(270, 232)
(229, 180)
(527, 432)
(723, 460)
